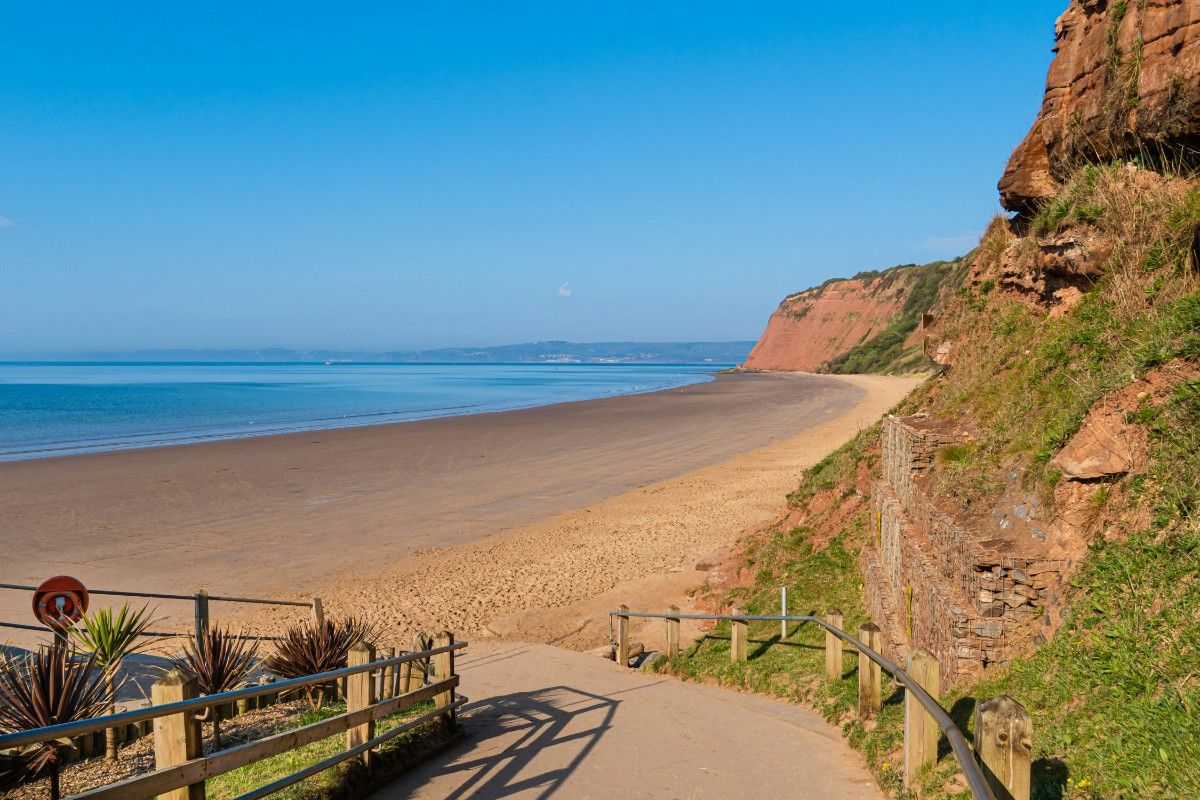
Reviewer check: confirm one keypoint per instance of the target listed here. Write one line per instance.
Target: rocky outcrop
(1125, 80)
(1103, 448)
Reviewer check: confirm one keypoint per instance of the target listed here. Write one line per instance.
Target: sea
(63, 408)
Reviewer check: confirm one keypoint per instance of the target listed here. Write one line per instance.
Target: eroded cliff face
(1125, 80)
(868, 323)
(818, 324)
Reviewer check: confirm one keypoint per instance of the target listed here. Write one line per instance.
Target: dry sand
(528, 524)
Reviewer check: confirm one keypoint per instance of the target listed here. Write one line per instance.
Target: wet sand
(454, 522)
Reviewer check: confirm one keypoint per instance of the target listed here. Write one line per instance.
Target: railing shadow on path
(556, 728)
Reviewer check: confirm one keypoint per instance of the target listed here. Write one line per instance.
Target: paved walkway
(546, 722)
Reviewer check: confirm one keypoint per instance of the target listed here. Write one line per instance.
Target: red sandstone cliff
(868, 323)
(818, 324)
(1125, 80)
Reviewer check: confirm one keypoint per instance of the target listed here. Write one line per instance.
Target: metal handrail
(146, 634)
(78, 727)
(958, 743)
(161, 596)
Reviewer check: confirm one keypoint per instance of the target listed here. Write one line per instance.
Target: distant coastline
(542, 352)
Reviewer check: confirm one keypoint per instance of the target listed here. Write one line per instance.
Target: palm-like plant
(50, 687)
(221, 660)
(110, 638)
(309, 649)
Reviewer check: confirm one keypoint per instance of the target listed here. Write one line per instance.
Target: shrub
(110, 638)
(50, 687)
(310, 649)
(221, 661)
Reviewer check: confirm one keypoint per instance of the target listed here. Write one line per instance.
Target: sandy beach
(523, 524)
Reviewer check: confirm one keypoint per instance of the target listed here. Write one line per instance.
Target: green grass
(1115, 696)
(839, 468)
(1115, 693)
(342, 780)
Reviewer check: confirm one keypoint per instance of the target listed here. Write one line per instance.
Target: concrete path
(547, 722)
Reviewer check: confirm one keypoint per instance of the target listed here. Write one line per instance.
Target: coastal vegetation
(311, 648)
(221, 660)
(110, 638)
(54, 685)
(1112, 693)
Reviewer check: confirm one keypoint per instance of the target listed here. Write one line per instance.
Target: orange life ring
(60, 602)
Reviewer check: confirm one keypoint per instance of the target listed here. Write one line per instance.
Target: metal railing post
(622, 654)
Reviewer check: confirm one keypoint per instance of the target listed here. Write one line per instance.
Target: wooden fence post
(833, 646)
(1004, 745)
(739, 632)
(920, 731)
(443, 668)
(387, 675)
(318, 612)
(201, 617)
(870, 676)
(673, 633)
(405, 680)
(360, 693)
(622, 654)
(783, 606)
(410, 679)
(177, 738)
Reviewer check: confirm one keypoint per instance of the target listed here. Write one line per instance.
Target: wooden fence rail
(181, 766)
(998, 768)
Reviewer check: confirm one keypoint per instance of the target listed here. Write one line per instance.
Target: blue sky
(397, 175)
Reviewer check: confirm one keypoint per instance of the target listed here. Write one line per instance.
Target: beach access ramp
(547, 722)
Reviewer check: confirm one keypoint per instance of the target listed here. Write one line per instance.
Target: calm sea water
(49, 409)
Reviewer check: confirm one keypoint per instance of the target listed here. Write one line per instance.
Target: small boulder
(1102, 448)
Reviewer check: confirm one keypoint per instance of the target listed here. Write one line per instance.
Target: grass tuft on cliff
(1115, 693)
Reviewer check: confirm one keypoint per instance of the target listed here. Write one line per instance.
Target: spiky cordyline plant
(50, 687)
(221, 661)
(309, 649)
(110, 638)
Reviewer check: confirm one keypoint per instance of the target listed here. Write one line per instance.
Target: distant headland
(548, 352)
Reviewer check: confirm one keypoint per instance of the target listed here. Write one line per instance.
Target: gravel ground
(138, 756)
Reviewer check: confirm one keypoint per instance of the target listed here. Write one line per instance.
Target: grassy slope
(1115, 695)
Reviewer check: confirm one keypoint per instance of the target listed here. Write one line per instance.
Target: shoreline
(67, 449)
(555, 580)
(359, 515)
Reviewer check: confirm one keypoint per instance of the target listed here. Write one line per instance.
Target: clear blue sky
(402, 175)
